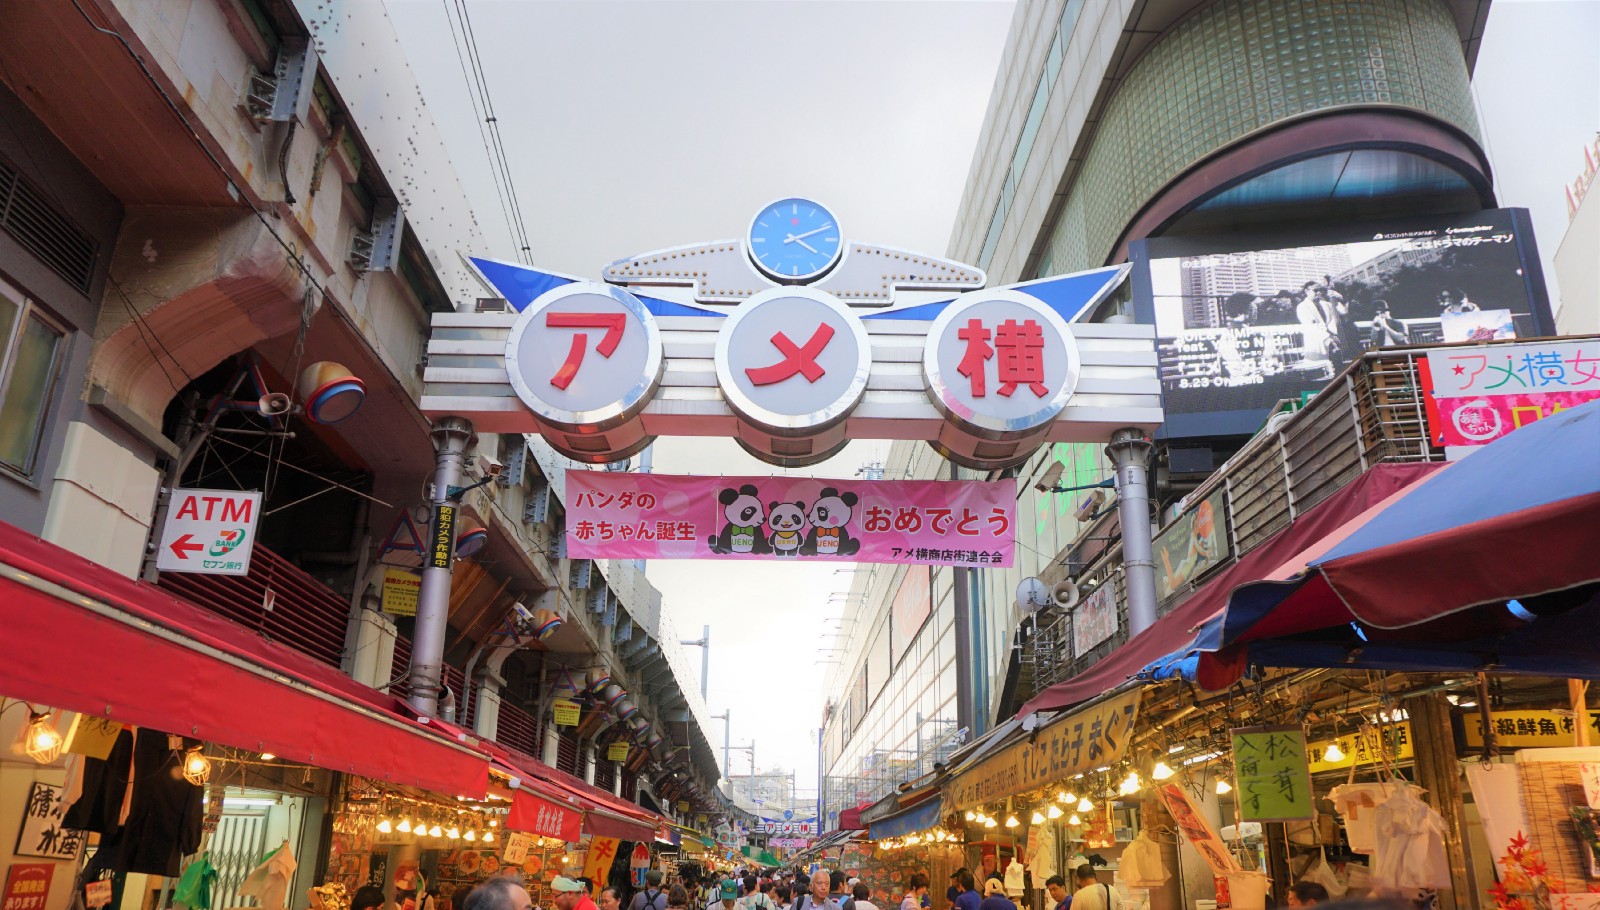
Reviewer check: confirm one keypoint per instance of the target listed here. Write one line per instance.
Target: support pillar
(1130, 455)
(1439, 772)
(452, 437)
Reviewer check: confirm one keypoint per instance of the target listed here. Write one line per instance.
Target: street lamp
(704, 644)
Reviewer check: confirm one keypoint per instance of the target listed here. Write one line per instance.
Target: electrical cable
(493, 122)
(483, 134)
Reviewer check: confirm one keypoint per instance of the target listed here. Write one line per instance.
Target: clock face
(795, 239)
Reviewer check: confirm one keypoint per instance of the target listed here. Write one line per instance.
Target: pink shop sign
(658, 516)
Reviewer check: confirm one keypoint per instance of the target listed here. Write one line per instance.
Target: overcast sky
(633, 126)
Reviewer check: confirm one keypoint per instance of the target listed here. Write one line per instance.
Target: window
(30, 352)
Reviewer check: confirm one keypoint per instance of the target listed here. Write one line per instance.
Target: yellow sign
(617, 752)
(400, 590)
(1091, 738)
(565, 712)
(92, 736)
(1270, 774)
(1526, 729)
(1363, 748)
(597, 862)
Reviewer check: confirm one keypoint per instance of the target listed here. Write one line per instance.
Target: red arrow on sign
(183, 547)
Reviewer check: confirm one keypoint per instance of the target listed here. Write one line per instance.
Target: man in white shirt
(1092, 894)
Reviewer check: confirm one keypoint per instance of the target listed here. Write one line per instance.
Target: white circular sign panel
(585, 356)
(1000, 363)
(793, 360)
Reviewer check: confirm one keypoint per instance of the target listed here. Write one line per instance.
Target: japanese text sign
(1000, 361)
(565, 712)
(515, 852)
(441, 537)
(1094, 619)
(657, 516)
(1194, 827)
(1091, 738)
(27, 886)
(597, 862)
(210, 532)
(544, 818)
(1272, 779)
(793, 360)
(42, 833)
(617, 752)
(1369, 746)
(1527, 729)
(400, 591)
(1476, 395)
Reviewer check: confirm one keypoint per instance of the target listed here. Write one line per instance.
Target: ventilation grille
(44, 231)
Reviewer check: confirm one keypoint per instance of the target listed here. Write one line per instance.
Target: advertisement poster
(27, 886)
(659, 516)
(1477, 395)
(1271, 777)
(1094, 619)
(42, 834)
(1238, 331)
(1194, 828)
(1192, 546)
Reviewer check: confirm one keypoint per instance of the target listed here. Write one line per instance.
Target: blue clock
(794, 240)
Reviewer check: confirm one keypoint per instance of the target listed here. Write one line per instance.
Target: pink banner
(657, 516)
(1475, 421)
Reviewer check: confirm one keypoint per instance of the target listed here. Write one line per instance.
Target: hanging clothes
(1410, 837)
(1358, 805)
(1041, 856)
(1141, 865)
(194, 887)
(1014, 879)
(269, 882)
(97, 804)
(138, 801)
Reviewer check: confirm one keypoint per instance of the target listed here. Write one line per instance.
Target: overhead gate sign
(210, 532)
(660, 516)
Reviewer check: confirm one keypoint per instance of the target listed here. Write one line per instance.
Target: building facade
(1110, 123)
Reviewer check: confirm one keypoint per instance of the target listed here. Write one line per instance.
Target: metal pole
(1130, 455)
(452, 437)
(704, 644)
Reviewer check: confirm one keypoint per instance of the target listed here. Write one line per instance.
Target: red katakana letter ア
(614, 325)
(796, 358)
(977, 354)
(1021, 363)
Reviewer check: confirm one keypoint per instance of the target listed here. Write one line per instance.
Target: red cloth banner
(657, 516)
(534, 815)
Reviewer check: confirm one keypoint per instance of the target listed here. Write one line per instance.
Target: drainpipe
(1130, 455)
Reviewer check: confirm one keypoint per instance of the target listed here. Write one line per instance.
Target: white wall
(1577, 266)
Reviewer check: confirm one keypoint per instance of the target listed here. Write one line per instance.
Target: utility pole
(727, 738)
(1130, 455)
(452, 437)
(704, 644)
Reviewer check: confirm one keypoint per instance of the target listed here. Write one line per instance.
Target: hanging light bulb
(1223, 786)
(1161, 771)
(488, 837)
(1037, 818)
(1065, 796)
(454, 833)
(1011, 821)
(1053, 812)
(470, 835)
(1084, 806)
(385, 826)
(970, 816)
(436, 831)
(268, 756)
(405, 825)
(493, 823)
(196, 767)
(40, 740)
(1074, 820)
(1333, 752)
(988, 823)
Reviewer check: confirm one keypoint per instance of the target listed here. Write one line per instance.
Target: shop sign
(544, 818)
(97, 893)
(1192, 546)
(442, 536)
(1271, 777)
(1475, 396)
(565, 712)
(216, 795)
(683, 805)
(1094, 619)
(659, 516)
(617, 752)
(1091, 738)
(1195, 829)
(209, 532)
(1365, 747)
(597, 862)
(42, 834)
(516, 849)
(1526, 729)
(400, 590)
(92, 736)
(27, 886)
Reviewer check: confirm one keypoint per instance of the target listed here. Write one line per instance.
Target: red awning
(605, 814)
(537, 815)
(87, 639)
(1176, 629)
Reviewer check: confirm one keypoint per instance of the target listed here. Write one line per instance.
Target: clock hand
(793, 239)
(808, 246)
(825, 227)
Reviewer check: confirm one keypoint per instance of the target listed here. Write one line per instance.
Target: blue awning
(918, 818)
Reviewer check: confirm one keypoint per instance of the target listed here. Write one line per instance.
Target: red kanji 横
(977, 354)
(614, 325)
(800, 359)
(1021, 346)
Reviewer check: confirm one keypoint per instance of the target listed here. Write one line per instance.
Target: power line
(483, 133)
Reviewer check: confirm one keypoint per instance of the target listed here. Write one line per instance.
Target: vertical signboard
(1273, 781)
(209, 532)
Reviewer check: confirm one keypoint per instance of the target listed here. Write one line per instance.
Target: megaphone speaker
(1065, 594)
(274, 404)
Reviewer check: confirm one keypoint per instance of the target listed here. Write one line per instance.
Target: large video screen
(1244, 322)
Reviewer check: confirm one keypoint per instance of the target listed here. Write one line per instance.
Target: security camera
(489, 467)
(523, 613)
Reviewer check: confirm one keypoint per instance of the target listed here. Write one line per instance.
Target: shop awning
(1175, 630)
(693, 838)
(604, 815)
(1422, 581)
(534, 814)
(84, 638)
(908, 821)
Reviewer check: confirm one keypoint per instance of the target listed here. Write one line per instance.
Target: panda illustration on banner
(751, 527)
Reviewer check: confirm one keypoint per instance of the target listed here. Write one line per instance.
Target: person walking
(968, 899)
(652, 897)
(1056, 888)
(916, 892)
(756, 896)
(1093, 894)
(818, 899)
(610, 898)
(677, 898)
(727, 896)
